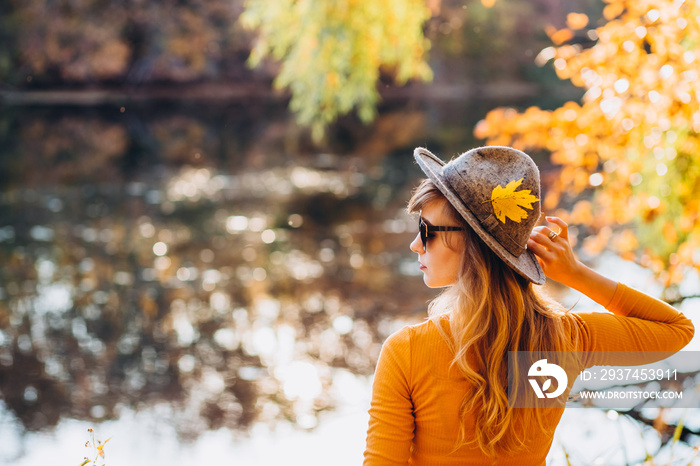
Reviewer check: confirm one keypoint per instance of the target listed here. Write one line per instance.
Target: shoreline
(225, 92)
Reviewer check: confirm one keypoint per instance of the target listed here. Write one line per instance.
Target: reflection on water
(202, 268)
(221, 277)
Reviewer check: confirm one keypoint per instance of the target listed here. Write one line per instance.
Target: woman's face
(439, 263)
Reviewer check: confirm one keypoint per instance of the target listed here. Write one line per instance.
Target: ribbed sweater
(416, 398)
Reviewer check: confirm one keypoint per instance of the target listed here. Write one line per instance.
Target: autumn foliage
(628, 151)
(332, 53)
(88, 42)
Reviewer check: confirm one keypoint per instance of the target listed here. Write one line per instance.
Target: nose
(417, 245)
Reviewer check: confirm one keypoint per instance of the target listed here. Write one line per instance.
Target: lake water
(202, 284)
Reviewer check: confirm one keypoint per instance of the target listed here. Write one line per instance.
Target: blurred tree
(628, 150)
(48, 42)
(332, 53)
(335, 57)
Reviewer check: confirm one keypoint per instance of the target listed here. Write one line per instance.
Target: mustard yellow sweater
(415, 401)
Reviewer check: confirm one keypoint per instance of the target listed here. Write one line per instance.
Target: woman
(440, 392)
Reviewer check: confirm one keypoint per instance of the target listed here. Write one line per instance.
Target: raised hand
(559, 263)
(553, 250)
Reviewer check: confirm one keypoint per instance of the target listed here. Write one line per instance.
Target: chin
(435, 284)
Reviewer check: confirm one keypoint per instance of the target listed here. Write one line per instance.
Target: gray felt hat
(496, 189)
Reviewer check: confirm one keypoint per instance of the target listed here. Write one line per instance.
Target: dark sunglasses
(425, 230)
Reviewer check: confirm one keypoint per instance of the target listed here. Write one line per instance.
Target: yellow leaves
(97, 445)
(507, 202)
(100, 448)
(636, 126)
(332, 52)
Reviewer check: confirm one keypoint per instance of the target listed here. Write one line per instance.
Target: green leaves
(331, 53)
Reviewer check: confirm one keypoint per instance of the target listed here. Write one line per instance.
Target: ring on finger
(552, 235)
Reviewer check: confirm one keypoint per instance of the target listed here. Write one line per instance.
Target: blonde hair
(492, 310)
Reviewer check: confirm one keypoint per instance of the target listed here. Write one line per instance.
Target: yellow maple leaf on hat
(507, 202)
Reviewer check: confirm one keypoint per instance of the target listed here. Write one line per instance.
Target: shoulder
(423, 337)
(412, 333)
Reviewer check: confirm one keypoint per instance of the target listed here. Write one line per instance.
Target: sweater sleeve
(638, 322)
(391, 423)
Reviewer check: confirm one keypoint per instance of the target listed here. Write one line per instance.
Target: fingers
(536, 255)
(544, 235)
(564, 233)
(547, 250)
(536, 247)
(539, 242)
(552, 249)
(545, 242)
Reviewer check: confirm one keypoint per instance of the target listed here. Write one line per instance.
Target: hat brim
(526, 264)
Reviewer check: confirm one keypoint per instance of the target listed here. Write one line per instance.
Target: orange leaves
(613, 9)
(576, 20)
(582, 213)
(670, 233)
(687, 251)
(559, 36)
(508, 127)
(626, 243)
(628, 151)
(595, 244)
(690, 215)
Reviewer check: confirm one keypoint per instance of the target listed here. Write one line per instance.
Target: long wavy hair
(492, 310)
